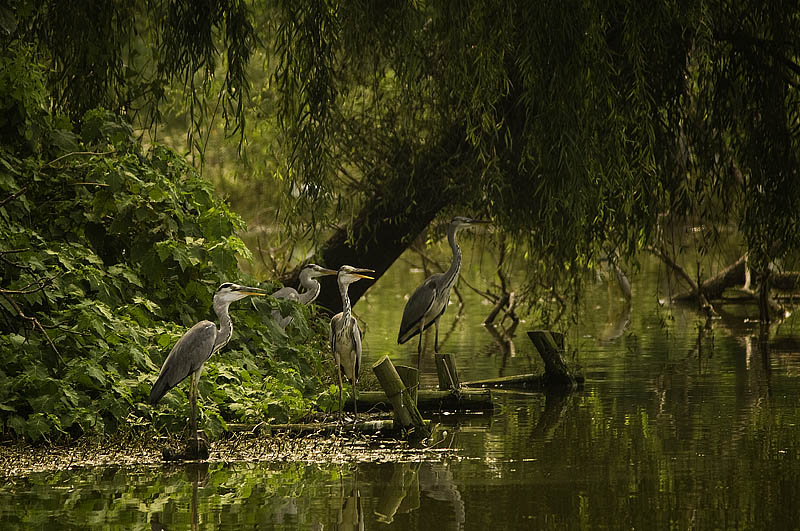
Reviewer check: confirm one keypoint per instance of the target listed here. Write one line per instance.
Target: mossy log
(557, 374)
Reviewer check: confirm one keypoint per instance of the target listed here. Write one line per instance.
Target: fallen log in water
(557, 374)
(527, 382)
(518, 381)
(401, 383)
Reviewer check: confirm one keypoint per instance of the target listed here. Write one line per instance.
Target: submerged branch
(696, 292)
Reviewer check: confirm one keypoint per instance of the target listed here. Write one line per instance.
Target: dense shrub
(108, 252)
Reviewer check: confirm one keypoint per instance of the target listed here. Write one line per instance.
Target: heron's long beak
(360, 275)
(327, 272)
(479, 221)
(247, 290)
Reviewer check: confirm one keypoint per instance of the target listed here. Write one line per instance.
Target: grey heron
(345, 335)
(194, 348)
(429, 301)
(308, 279)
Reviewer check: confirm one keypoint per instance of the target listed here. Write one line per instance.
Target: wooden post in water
(410, 377)
(447, 373)
(400, 397)
(551, 348)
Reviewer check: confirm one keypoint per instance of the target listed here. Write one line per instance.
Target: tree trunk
(377, 241)
(389, 221)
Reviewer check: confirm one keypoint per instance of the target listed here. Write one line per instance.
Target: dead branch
(42, 284)
(33, 320)
(13, 196)
(74, 153)
(696, 292)
(680, 271)
(497, 307)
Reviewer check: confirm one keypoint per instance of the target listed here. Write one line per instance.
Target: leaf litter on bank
(19, 459)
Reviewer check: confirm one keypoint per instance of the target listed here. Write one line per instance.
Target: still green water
(679, 426)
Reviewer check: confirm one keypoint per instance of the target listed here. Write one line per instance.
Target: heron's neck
(225, 326)
(347, 310)
(312, 290)
(451, 274)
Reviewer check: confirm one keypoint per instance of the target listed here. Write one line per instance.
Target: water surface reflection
(682, 423)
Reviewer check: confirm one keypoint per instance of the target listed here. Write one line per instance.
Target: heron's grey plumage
(345, 335)
(308, 279)
(346, 339)
(181, 362)
(429, 301)
(194, 348)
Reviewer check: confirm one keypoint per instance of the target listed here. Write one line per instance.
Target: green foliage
(107, 254)
(22, 100)
(123, 55)
(576, 127)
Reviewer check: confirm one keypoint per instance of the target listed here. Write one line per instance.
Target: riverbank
(19, 460)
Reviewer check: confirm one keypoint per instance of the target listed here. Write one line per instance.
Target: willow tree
(576, 126)
(124, 55)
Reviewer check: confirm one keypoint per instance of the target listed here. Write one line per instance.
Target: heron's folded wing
(417, 306)
(286, 293)
(357, 348)
(188, 355)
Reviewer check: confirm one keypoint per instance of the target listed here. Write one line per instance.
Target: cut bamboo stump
(400, 397)
(446, 371)
(410, 378)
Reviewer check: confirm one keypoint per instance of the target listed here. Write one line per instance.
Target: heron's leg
(436, 341)
(193, 401)
(419, 346)
(341, 404)
(355, 402)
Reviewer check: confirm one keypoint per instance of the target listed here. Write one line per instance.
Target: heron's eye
(226, 285)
